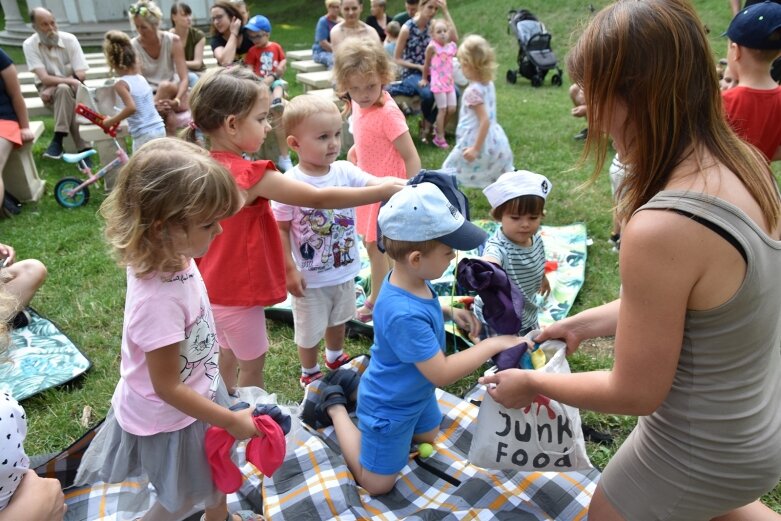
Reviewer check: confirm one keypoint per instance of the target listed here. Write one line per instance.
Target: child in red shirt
(754, 106)
(244, 269)
(267, 60)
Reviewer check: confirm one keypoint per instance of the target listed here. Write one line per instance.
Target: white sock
(310, 370)
(332, 356)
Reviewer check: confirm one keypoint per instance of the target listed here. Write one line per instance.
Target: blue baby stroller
(535, 56)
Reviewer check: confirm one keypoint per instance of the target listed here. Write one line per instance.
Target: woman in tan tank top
(161, 56)
(697, 329)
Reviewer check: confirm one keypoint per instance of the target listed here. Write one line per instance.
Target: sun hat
(258, 23)
(515, 184)
(421, 212)
(758, 26)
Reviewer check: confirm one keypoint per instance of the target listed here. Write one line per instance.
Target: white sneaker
(284, 163)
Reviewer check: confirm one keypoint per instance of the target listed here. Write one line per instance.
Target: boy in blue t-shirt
(396, 401)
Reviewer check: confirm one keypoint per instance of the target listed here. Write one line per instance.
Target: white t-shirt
(13, 461)
(324, 243)
(159, 313)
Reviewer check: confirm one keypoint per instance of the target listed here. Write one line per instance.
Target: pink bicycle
(73, 192)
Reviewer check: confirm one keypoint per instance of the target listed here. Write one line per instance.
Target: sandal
(365, 316)
(331, 395)
(347, 379)
(339, 362)
(245, 515)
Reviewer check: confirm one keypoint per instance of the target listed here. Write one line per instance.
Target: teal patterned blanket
(40, 357)
(565, 252)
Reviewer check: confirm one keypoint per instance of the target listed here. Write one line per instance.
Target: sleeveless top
(715, 442)
(161, 69)
(146, 119)
(415, 49)
(442, 67)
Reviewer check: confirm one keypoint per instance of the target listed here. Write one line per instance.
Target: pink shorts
(242, 330)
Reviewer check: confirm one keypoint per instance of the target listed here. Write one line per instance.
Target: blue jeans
(323, 57)
(427, 105)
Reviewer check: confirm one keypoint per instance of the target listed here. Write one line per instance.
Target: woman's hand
(470, 154)
(236, 26)
(511, 387)
(163, 106)
(36, 499)
(567, 331)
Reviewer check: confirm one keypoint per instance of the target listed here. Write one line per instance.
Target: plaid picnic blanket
(315, 483)
(39, 357)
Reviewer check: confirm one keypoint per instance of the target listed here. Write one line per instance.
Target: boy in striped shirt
(517, 201)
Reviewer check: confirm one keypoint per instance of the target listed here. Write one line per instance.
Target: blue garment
(407, 329)
(322, 32)
(6, 105)
(394, 396)
(380, 456)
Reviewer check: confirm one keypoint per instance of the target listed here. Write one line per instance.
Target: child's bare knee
(377, 485)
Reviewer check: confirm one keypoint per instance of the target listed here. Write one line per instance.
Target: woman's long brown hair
(654, 56)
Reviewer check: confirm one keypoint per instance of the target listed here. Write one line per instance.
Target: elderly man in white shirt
(60, 67)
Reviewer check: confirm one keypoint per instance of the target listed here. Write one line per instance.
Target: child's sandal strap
(332, 395)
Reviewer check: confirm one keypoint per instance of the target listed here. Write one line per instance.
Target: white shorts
(321, 308)
(241, 329)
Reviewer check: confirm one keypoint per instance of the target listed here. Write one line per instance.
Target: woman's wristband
(178, 101)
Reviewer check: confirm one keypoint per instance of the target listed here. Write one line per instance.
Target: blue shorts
(385, 443)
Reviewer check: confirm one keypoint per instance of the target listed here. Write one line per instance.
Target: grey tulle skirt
(173, 462)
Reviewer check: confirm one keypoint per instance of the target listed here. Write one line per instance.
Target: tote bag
(544, 436)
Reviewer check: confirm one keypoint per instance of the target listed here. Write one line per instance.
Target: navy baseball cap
(757, 26)
(258, 23)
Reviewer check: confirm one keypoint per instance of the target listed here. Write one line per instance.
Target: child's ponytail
(222, 92)
(190, 134)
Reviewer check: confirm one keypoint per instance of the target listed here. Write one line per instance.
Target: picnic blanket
(40, 356)
(315, 483)
(131, 498)
(565, 254)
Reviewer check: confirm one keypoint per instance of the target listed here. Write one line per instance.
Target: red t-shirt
(244, 265)
(756, 116)
(264, 60)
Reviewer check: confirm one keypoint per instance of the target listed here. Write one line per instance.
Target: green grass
(85, 290)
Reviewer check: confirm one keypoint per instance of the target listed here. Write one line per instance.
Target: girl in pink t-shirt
(383, 146)
(244, 269)
(164, 211)
(439, 67)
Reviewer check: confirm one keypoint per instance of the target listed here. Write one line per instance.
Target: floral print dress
(496, 157)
